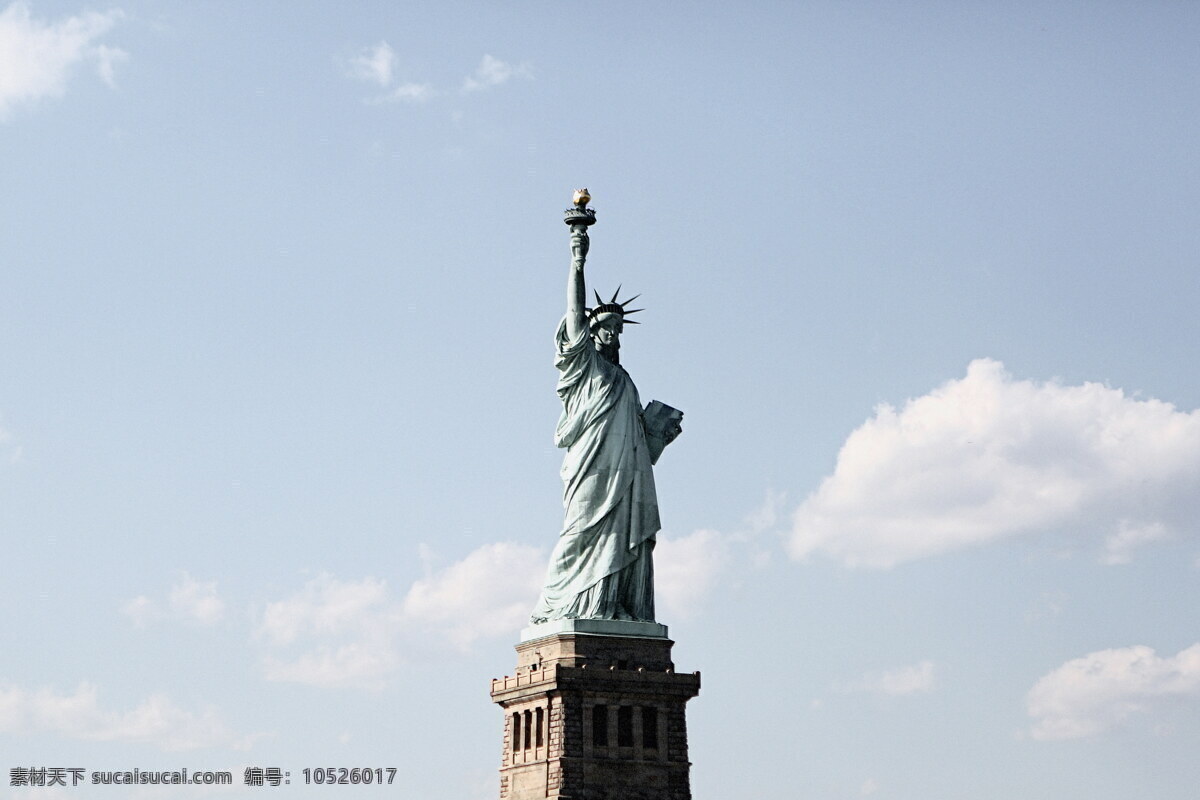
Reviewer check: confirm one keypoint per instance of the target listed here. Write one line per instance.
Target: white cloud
(686, 570)
(375, 64)
(987, 457)
(188, 599)
(490, 592)
(914, 679)
(8, 451)
(155, 721)
(335, 632)
(196, 600)
(768, 515)
(142, 610)
(363, 664)
(106, 60)
(356, 632)
(1048, 606)
(407, 93)
(1090, 695)
(493, 72)
(37, 58)
(870, 786)
(1119, 546)
(325, 606)
(349, 628)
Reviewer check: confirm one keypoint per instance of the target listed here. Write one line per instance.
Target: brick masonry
(556, 745)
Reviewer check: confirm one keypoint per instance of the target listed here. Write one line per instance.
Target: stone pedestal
(595, 716)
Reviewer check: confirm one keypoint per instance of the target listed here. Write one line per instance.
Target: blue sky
(277, 482)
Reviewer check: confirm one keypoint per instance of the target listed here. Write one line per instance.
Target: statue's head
(606, 335)
(606, 322)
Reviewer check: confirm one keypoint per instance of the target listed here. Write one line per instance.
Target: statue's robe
(601, 567)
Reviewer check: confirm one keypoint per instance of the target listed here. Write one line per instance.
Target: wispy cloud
(1087, 696)
(494, 72)
(1128, 537)
(406, 93)
(8, 451)
(987, 457)
(375, 64)
(37, 58)
(915, 679)
(155, 721)
(188, 599)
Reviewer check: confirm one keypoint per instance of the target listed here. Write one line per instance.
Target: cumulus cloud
(493, 72)
(1087, 696)
(986, 457)
(335, 632)
(37, 58)
(356, 632)
(490, 591)
(155, 721)
(915, 679)
(686, 570)
(188, 599)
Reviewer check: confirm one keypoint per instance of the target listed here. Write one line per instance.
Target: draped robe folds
(601, 567)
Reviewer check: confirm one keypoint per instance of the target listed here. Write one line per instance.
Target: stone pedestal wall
(595, 717)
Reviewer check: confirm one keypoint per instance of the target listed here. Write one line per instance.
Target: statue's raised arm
(576, 290)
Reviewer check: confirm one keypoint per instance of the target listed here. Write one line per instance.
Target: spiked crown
(603, 310)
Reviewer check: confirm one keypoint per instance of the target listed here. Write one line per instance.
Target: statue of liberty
(602, 565)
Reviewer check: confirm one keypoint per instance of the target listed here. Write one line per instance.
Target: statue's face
(608, 332)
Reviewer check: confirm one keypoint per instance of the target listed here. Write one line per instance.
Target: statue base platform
(595, 627)
(595, 711)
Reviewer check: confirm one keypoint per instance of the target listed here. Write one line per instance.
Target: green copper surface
(602, 565)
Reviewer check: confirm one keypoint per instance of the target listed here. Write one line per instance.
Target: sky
(278, 291)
